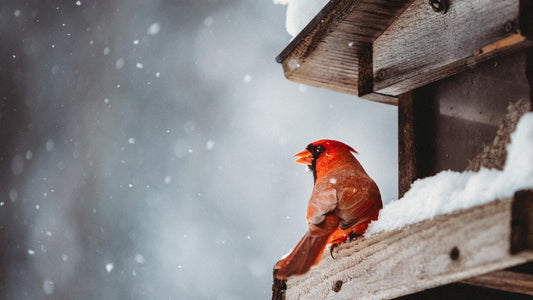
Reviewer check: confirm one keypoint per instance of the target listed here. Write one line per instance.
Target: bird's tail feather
(309, 250)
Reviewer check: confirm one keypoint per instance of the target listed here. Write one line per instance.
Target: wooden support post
(416, 142)
(406, 146)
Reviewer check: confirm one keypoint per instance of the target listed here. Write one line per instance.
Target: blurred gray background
(146, 148)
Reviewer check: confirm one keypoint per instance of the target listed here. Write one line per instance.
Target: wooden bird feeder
(461, 74)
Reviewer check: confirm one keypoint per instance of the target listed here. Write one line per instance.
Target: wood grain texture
(407, 164)
(334, 51)
(431, 253)
(386, 99)
(504, 280)
(422, 46)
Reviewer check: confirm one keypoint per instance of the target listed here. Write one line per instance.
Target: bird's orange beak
(305, 157)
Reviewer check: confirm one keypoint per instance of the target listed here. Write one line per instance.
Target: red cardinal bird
(344, 200)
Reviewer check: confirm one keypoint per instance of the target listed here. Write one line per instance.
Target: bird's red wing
(357, 206)
(323, 200)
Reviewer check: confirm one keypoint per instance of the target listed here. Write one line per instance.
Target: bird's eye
(320, 149)
(316, 150)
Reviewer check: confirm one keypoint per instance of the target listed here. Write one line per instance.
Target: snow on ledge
(300, 13)
(450, 191)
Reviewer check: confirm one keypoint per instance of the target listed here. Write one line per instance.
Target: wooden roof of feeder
(379, 49)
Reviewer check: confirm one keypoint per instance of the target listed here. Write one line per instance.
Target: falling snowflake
(119, 63)
(49, 145)
(139, 258)
(154, 28)
(109, 267)
(210, 145)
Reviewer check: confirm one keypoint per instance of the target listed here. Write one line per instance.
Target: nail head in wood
(440, 6)
(508, 26)
(337, 287)
(454, 254)
(381, 75)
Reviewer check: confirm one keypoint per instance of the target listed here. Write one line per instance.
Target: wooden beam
(386, 99)
(427, 254)
(504, 280)
(422, 46)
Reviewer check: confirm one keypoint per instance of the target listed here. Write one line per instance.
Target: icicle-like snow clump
(450, 191)
(300, 13)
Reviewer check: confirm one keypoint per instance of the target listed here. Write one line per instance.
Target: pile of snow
(300, 13)
(450, 191)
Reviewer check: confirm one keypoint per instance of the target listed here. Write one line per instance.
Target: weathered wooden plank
(422, 46)
(329, 52)
(432, 75)
(431, 253)
(504, 280)
(381, 98)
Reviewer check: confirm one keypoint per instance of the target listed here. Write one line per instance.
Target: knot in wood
(337, 287)
(440, 6)
(454, 254)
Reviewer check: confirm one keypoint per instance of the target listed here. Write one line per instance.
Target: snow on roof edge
(300, 13)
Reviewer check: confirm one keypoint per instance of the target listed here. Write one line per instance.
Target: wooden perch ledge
(446, 249)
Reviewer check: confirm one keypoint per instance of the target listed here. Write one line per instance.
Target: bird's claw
(351, 236)
(333, 246)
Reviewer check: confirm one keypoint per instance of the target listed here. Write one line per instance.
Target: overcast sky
(146, 148)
